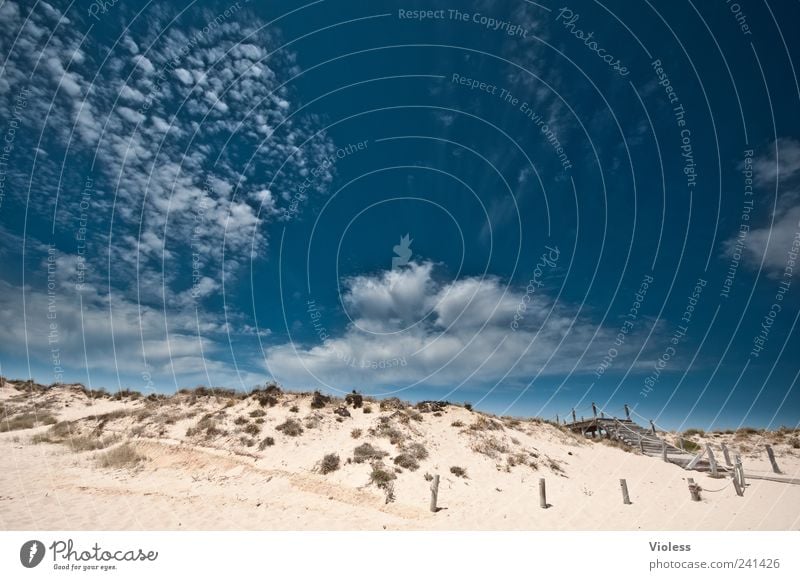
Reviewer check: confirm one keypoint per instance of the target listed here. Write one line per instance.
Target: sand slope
(191, 477)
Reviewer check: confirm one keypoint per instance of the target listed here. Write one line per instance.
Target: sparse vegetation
(290, 427)
(406, 461)
(120, 457)
(26, 421)
(366, 452)
(489, 446)
(329, 463)
(294, 409)
(267, 442)
(355, 433)
(486, 424)
(240, 421)
(457, 424)
(693, 432)
(318, 400)
(207, 425)
(252, 429)
(258, 413)
(354, 399)
(459, 471)
(417, 450)
(383, 478)
(367, 410)
(689, 445)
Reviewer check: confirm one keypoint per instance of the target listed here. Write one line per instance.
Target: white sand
(220, 483)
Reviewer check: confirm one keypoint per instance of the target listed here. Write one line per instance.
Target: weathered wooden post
(542, 494)
(652, 427)
(726, 455)
(740, 469)
(625, 498)
(680, 442)
(771, 455)
(594, 410)
(573, 416)
(641, 444)
(664, 450)
(736, 486)
(434, 493)
(694, 489)
(712, 461)
(627, 412)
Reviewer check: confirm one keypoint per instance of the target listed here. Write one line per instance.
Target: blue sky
(601, 201)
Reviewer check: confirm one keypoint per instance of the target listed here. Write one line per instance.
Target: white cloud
(446, 332)
(772, 242)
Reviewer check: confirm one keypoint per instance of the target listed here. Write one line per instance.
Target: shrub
(118, 457)
(252, 429)
(264, 399)
(240, 421)
(457, 424)
(693, 432)
(689, 445)
(355, 433)
(459, 471)
(366, 452)
(290, 427)
(407, 461)
(294, 409)
(329, 463)
(318, 400)
(391, 404)
(367, 410)
(267, 442)
(354, 399)
(490, 446)
(247, 441)
(206, 424)
(486, 424)
(417, 450)
(273, 389)
(257, 413)
(380, 475)
(468, 406)
(794, 442)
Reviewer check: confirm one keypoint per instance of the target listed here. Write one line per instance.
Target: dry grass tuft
(290, 427)
(120, 457)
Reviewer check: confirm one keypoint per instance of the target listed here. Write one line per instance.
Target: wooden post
(434, 493)
(542, 494)
(641, 445)
(664, 450)
(627, 412)
(694, 489)
(740, 468)
(680, 442)
(573, 416)
(594, 410)
(712, 460)
(736, 486)
(625, 498)
(771, 455)
(653, 426)
(726, 455)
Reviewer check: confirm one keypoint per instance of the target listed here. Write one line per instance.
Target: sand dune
(216, 461)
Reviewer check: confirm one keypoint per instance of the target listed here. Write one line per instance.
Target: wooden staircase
(638, 437)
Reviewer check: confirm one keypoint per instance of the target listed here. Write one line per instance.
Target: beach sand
(203, 462)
